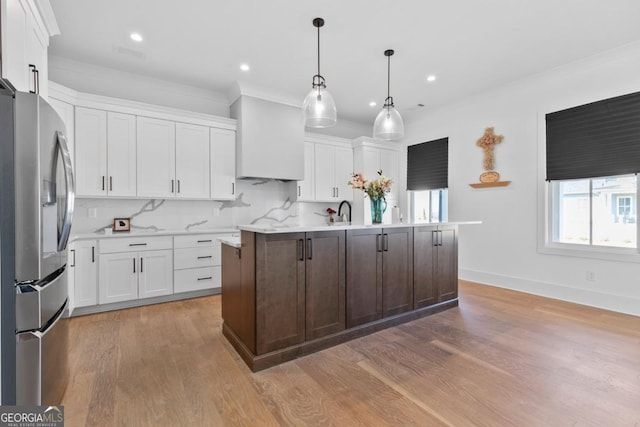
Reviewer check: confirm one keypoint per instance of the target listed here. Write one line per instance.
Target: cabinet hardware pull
(378, 236)
(309, 249)
(93, 255)
(434, 237)
(440, 237)
(204, 241)
(110, 183)
(239, 253)
(386, 242)
(34, 71)
(74, 258)
(134, 265)
(233, 188)
(178, 186)
(172, 186)
(137, 244)
(298, 191)
(141, 265)
(102, 182)
(205, 257)
(205, 278)
(337, 192)
(300, 250)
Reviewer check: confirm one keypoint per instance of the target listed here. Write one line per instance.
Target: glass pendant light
(388, 124)
(319, 108)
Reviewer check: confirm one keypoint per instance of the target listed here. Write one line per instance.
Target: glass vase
(378, 207)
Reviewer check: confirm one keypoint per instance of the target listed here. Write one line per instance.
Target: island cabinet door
(447, 271)
(425, 249)
(325, 283)
(397, 270)
(364, 276)
(280, 291)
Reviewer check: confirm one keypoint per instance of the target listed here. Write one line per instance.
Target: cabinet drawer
(196, 279)
(196, 241)
(135, 244)
(195, 257)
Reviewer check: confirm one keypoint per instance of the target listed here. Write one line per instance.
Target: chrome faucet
(340, 209)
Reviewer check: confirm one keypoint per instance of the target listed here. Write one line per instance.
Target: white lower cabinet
(83, 273)
(197, 262)
(135, 268)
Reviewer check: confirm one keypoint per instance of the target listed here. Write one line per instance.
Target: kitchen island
(291, 291)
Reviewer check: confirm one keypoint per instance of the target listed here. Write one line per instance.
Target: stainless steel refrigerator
(36, 211)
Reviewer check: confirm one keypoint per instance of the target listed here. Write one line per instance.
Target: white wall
(503, 251)
(104, 81)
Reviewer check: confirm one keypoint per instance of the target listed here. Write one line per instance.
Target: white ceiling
(470, 45)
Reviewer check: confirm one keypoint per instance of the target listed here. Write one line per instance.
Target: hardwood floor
(502, 358)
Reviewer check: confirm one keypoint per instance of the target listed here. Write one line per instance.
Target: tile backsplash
(258, 202)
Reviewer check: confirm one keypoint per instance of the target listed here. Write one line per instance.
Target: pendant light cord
(318, 50)
(388, 77)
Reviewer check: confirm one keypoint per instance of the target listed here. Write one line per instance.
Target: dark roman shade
(594, 140)
(428, 165)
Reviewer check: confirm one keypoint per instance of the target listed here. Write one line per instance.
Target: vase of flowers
(376, 190)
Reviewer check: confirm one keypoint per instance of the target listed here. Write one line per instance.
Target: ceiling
(469, 45)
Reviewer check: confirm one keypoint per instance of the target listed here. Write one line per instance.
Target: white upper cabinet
(333, 168)
(121, 154)
(223, 164)
(156, 147)
(105, 153)
(192, 161)
(25, 39)
(91, 152)
(305, 190)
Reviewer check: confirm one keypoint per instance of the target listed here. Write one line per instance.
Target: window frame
(545, 219)
(444, 205)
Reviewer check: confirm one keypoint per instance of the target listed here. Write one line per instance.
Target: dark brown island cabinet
(288, 294)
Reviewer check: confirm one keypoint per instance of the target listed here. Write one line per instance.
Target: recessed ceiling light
(245, 67)
(372, 104)
(431, 78)
(136, 37)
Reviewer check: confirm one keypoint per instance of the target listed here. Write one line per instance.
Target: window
(429, 205)
(427, 180)
(595, 211)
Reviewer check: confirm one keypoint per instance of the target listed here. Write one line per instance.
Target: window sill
(592, 252)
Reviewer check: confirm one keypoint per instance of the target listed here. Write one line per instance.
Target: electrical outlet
(92, 212)
(591, 276)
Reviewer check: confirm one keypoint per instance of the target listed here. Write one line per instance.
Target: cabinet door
(280, 317)
(306, 188)
(324, 173)
(343, 159)
(397, 270)
(36, 54)
(325, 283)
(91, 152)
(14, 44)
(118, 277)
(156, 143)
(364, 276)
(425, 286)
(192, 161)
(223, 164)
(233, 307)
(85, 267)
(155, 273)
(447, 271)
(121, 154)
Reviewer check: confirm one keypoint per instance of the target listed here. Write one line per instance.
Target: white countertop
(338, 226)
(142, 233)
(233, 241)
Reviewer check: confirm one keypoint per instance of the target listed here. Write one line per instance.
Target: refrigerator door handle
(63, 237)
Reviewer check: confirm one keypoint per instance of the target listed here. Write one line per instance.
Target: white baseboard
(618, 303)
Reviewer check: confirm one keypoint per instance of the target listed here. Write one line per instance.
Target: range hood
(270, 139)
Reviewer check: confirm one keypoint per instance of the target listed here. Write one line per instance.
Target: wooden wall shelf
(490, 184)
